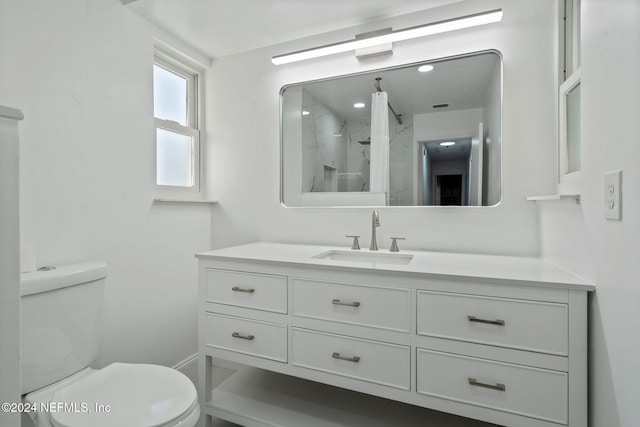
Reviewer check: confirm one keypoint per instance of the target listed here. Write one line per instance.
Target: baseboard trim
(185, 364)
(189, 366)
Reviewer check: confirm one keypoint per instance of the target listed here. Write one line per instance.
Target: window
(569, 152)
(571, 37)
(176, 112)
(570, 129)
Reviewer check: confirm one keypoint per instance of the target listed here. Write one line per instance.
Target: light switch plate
(613, 195)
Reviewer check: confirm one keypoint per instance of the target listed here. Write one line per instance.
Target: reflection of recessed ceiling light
(447, 144)
(425, 68)
(358, 105)
(305, 113)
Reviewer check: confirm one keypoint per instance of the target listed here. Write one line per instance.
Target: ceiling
(459, 151)
(224, 27)
(459, 82)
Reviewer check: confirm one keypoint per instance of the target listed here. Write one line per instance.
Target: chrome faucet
(375, 222)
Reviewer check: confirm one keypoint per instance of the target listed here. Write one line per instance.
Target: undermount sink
(366, 257)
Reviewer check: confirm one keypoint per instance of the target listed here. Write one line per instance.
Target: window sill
(183, 202)
(576, 197)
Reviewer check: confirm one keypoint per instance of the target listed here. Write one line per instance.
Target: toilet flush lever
(394, 244)
(356, 245)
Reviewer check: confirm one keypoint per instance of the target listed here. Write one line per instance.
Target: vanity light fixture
(438, 27)
(358, 105)
(305, 113)
(447, 144)
(425, 68)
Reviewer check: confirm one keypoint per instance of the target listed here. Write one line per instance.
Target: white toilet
(60, 314)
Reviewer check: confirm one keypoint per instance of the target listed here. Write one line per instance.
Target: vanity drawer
(379, 307)
(517, 389)
(259, 291)
(263, 339)
(528, 325)
(372, 361)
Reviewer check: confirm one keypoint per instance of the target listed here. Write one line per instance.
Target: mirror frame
(319, 197)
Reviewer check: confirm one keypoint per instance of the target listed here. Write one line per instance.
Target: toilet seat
(137, 395)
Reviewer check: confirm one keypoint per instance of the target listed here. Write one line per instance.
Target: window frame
(569, 183)
(193, 128)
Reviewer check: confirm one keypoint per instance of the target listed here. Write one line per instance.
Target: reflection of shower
(397, 116)
(379, 149)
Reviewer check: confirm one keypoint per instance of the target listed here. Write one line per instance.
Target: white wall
(578, 236)
(81, 70)
(244, 161)
(446, 124)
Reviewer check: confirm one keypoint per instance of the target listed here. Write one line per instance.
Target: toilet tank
(60, 318)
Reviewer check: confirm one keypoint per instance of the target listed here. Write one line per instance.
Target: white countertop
(521, 269)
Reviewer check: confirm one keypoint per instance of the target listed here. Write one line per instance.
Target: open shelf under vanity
(255, 397)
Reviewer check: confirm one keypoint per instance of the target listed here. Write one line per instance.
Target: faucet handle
(356, 244)
(394, 244)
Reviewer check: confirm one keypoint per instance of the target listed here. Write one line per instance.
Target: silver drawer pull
(499, 387)
(244, 337)
(354, 359)
(350, 304)
(489, 322)
(239, 289)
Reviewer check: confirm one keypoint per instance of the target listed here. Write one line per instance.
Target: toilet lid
(123, 394)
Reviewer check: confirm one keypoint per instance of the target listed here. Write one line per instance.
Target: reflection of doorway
(444, 164)
(460, 157)
(448, 190)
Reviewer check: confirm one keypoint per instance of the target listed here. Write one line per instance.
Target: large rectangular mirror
(424, 134)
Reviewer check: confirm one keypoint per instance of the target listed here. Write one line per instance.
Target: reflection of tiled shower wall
(358, 156)
(328, 140)
(322, 143)
(400, 159)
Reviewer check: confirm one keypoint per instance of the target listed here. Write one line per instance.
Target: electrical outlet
(613, 195)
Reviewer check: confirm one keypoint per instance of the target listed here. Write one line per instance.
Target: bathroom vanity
(493, 338)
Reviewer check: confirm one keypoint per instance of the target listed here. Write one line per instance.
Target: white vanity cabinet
(505, 344)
